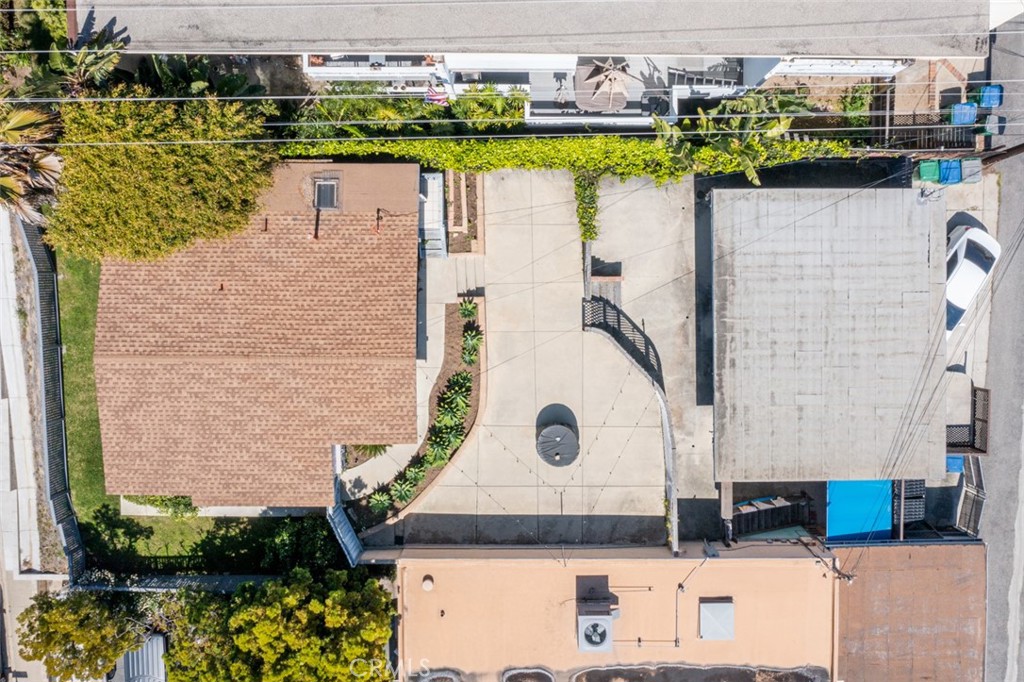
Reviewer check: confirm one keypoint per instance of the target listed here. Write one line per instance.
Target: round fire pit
(558, 445)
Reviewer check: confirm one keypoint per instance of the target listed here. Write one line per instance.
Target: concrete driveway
(497, 489)
(649, 231)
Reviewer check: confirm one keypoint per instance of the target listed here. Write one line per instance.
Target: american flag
(435, 96)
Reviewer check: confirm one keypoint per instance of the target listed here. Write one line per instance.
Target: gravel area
(50, 551)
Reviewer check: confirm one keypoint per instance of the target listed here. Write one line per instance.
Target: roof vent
(325, 195)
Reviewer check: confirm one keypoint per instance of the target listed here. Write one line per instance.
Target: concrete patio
(497, 489)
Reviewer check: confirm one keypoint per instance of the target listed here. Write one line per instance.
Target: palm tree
(736, 127)
(27, 169)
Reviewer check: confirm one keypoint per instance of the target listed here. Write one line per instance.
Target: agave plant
(467, 309)
(457, 400)
(449, 414)
(415, 474)
(437, 453)
(402, 491)
(470, 356)
(461, 383)
(27, 169)
(472, 338)
(380, 501)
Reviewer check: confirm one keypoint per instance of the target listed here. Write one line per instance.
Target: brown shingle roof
(913, 612)
(226, 371)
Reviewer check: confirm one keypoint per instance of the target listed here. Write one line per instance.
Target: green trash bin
(928, 171)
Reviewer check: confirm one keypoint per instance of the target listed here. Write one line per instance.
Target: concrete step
(469, 274)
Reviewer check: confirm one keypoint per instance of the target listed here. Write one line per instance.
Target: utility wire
(893, 146)
(419, 3)
(419, 95)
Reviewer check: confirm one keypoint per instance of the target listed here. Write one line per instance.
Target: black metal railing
(600, 313)
(55, 441)
(973, 437)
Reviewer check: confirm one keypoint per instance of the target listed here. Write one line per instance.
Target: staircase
(469, 274)
(769, 513)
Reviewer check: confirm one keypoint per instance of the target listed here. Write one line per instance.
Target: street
(1002, 526)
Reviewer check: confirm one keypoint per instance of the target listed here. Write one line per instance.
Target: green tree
(294, 630)
(124, 196)
(487, 108)
(79, 634)
(70, 70)
(742, 128)
(28, 170)
(374, 111)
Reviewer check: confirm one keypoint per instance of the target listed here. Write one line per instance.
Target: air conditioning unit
(594, 633)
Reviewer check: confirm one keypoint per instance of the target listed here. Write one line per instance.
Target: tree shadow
(269, 546)
(112, 540)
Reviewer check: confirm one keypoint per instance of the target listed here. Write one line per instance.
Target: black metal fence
(606, 316)
(55, 437)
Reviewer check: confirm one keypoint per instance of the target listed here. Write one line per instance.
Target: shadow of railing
(602, 314)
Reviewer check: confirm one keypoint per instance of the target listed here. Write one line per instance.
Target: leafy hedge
(625, 157)
(143, 201)
(586, 205)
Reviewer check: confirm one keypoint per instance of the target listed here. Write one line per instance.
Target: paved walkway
(19, 535)
(17, 460)
(497, 490)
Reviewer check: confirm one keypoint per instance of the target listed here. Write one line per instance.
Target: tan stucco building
(483, 613)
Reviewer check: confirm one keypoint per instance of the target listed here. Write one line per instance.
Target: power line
(420, 3)
(888, 146)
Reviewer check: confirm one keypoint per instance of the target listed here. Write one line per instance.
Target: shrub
(144, 201)
(402, 490)
(178, 506)
(467, 309)
(586, 204)
(470, 356)
(380, 502)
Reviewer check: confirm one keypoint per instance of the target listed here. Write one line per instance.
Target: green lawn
(143, 544)
(79, 291)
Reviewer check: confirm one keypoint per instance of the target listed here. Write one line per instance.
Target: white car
(970, 258)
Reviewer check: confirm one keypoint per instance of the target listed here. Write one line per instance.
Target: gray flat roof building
(901, 28)
(829, 325)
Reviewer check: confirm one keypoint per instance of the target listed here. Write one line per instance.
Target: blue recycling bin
(950, 172)
(991, 96)
(963, 114)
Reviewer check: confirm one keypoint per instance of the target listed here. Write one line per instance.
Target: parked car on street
(970, 257)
